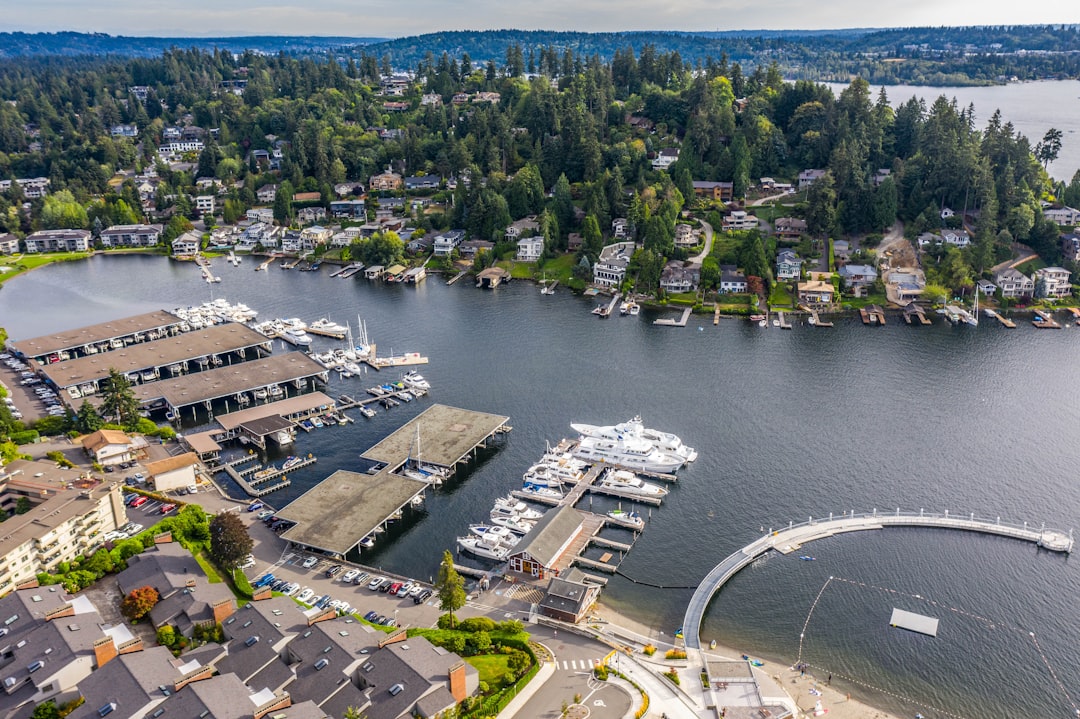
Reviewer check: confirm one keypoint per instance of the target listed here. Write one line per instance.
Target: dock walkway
(795, 535)
(457, 277)
(681, 322)
(1044, 320)
(605, 312)
(251, 490)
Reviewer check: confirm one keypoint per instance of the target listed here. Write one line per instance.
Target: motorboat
(495, 531)
(276, 391)
(296, 336)
(631, 519)
(541, 491)
(415, 380)
(484, 547)
(261, 393)
(626, 481)
(283, 437)
(548, 474)
(291, 462)
(665, 441)
(328, 327)
(367, 411)
(367, 542)
(633, 452)
(512, 507)
(517, 525)
(148, 375)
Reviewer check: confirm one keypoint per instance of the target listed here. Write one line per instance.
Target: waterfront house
(857, 276)
(1014, 283)
(719, 191)
(1063, 216)
(58, 241)
(423, 243)
(267, 193)
(174, 472)
(539, 551)
(315, 235)
(665, 158)
(186, 245)
(525, 227)
(445, 242)
(809, 177)
(986, 287)
(1052, 282)
(816, 294)
(9, 244)
(788, 265)
(789, 228)
(1070, 247)
(677, 278)
(470, 248)
(529, 249)
(388, 180)
(731, 280)
(739, 220)
(620, 226)
(260, 214)
(610, 267)
(423, 182)
(684, 236)
(131, 235)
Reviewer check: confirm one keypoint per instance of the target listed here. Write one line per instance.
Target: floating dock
(457, 277)
(251, 490)
(605, 311)
(1045, 321)
(1005, 321)
(669, 322)
(914, 312)
(914, 622)
(785, 324)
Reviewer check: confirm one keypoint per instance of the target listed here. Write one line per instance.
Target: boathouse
(539, 551)
(76, 343)
(569, 598)
(492, 277)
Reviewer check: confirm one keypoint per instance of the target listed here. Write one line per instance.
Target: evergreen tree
(283, 209)
(450, 587)
(88, 420)
(119, 404)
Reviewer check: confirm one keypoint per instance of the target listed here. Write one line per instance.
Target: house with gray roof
(569, 597)
(537, 553)
(857, 275)
(134, 683)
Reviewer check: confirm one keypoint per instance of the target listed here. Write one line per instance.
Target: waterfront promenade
(794, 536)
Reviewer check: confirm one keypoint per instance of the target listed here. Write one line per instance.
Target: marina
(71, 344)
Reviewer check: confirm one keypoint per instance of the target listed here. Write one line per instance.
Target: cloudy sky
(395, 18)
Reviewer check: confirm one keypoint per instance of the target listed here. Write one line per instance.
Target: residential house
(816, 294)
(395, 106)
(422, 182)
(731, 280)
(171, 134)
(1052, 282)
(1014, 283)
(175, 472)
(610, 268)
(315, 236)
(620, 226)
(665, 158)
(529, 249)
(141, 92)
(470, 248)
(33, 188)
(720, 191)
(261, 214)
(1064, 216)
(986, 287)
(208, 183)
(956, 238)
(179, 147)
(58, 241)
(131, 236)
(124, 131)
(132, 684)
(537, 553)
(267, 193)
(71, 509)
(345, 189)
(790, 229)
(809, 177)
(1070, 247)
(492, 97)
(447, 241)
(395, 85)
(348, 209)
(858, 278)
(907, 286)
(574, 240)
(390, 205)
(841, 248)
(460, 98)
(569, 597)
(684, 236)
(525, 227)
(766, 183)
(346, 237)
(108, 447)
(676, 278)
(388, 181)
(204, 204)
(947, 212)
(422, 244)
(432, 99)
(311, 214)
(739, 220)
(187, 244)
(788, 265)
(261, 157)
(881, 175)
(9, 244)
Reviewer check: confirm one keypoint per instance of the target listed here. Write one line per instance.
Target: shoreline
(772, 677)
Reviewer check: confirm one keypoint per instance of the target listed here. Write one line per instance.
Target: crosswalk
(579, 664)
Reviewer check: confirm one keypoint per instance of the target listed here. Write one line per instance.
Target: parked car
(422, 596)
(264, 514)
(322, 602)
(362, 578)
(371, 616)
(249, 561)
(333, 571)
(310, 562)
(349, 576)
(305, 595)
(375, 583)
(139, 501)
(255, 506)
(132, 528)
(138, 477)
(166, 508)
(391, 588)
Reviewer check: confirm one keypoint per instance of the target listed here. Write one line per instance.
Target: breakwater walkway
(793, 536)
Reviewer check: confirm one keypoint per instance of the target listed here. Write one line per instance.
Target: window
(321, 664)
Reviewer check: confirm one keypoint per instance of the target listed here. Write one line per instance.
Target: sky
(394, 18)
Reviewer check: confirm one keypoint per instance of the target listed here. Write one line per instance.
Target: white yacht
(415, 380)
(631, 483)
(553, 473)
(494, 532)
(664, 441)
(517, 525)
(624, 518)
(632, 452)
(296, 336)
(329, 327)
(484, 547)
(511, 507)
(541, 491)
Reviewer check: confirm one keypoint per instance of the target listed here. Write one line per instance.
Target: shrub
(166, 636)
(675, 654)
(601, 672)
(673, 675)
(58, 457)
(648, 650)
(25, 437)
(477, 624)
(446, 622)
(479, 642)
(139, 602)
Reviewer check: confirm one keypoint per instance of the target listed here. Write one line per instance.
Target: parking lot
(30, 401)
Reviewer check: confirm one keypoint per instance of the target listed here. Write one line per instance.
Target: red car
(139, 502)
(166, 508)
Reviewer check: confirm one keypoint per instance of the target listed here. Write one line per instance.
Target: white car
(310, 562)
(375, 583)
(249, 561)
(344, 609)
(305, 595)
(349, 576)
(291, 589)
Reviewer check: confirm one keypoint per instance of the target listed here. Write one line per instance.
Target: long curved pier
(793, 536)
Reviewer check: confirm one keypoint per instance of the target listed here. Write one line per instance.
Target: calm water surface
(788, 425)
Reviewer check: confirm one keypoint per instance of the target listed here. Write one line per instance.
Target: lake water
(1032, 108)
(788, 425)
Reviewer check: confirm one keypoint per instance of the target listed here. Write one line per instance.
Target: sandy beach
(804, 688)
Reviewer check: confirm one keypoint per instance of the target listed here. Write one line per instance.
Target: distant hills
(70, 44)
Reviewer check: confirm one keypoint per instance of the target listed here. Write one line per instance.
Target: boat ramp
(669, 322)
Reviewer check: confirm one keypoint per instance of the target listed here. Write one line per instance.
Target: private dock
(550, 289)
(716, 315)
(878, 313)
(785, 324)
(1045, 321)
(605, 312)
(404, 360)
(1002, 319)
(258, 475)
(249, 488)
(457, 277)
(286, 265)
(681, 322)
(266, 263)
(914, 312)
(1075, 312)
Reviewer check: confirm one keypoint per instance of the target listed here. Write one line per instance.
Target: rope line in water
(990, 623)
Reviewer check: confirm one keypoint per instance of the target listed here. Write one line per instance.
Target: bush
(446, 622)
(58, 457)
(477, 624)
(25, 437)
(479, 642)
(673, 675)
(243, 586)
(675, 654)
(648, 650)
(166, 636)
(601, 672)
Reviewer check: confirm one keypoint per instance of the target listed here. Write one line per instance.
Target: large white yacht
(513, 507)
(629, 482)
(484, 547)
(632, 452)
(664, 441)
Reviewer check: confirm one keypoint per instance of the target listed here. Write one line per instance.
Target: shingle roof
(550, 534)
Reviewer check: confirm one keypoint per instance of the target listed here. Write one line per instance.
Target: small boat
(367, 411)
(753, 662)
(283, 437)
(414, 380)
(806, 558)
(317, 422)
(306, 424)
(628, 482)
(541, 491)
(291, 462)
(629, 518)
(367, 542)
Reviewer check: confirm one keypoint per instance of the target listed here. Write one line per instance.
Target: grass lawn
(724, 245)
(780, 296)
(209, 568)
(25, 263)
(860, 302)
(492, 668)
(1029, 267)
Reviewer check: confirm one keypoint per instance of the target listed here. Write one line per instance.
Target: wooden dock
(286, 265)
(716, 315)
(550, 289)
(1045, 321)
(249, 474)
(250, 489)
(785, 324)
(605, 312)
(1075, 312)
(269, 261)
(1005, 321)
(915, 312)
(681, 322)
(457, 277)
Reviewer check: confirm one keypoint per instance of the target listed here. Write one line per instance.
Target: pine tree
(450, 587)
(119, 403)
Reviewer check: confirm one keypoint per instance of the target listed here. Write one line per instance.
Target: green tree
(23, 505)
(88, 420)
(230, 542)
(821, 206)
(450, 586)
(46, 710)
(354, 713)
(119, 403)
(61, 211)
(283, 209)
(935, 292)
(1046, 151)
(139, 602)
(592, 241)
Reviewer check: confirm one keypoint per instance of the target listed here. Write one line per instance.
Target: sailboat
(415, 469)
(973, 318)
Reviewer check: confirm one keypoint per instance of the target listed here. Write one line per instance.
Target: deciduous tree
(139, 602)
(230, 542)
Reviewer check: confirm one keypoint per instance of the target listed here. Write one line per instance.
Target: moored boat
(630, 483)
(512, 507)
(517, 525)
(665, 441)
(633, 452)
(495, 532)
(484, 547)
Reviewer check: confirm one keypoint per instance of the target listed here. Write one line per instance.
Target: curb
(515, 705)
